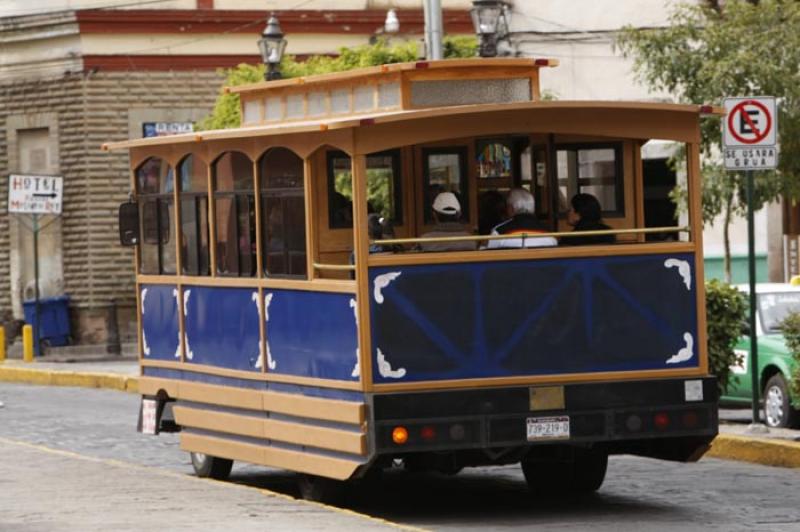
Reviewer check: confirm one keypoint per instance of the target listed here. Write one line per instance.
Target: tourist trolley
(275, 330)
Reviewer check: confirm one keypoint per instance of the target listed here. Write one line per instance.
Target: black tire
(320, 489)
(207, 466)
(778, 411)
(580, 471)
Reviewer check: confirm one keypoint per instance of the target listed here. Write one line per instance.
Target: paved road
(639, 494)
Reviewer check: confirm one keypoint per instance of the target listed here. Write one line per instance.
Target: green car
(775, 362)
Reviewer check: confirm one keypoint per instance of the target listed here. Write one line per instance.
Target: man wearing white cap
(447, 213)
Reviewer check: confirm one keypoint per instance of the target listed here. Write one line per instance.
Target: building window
(154, 183)
(383, 188)
(445, 170)
(234, 220)
(194, 216)
(283, 208)
(594, 169)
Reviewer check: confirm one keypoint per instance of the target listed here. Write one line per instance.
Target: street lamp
(490, 18)
(390, 26)
(272, 44)
(392, 23)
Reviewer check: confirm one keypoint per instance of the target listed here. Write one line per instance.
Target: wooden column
(361, 250)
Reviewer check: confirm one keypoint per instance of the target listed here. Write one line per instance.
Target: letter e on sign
(750, 133)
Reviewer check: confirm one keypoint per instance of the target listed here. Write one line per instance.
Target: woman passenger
(585, 215)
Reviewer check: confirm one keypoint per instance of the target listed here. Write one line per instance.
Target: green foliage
(791, 332)
(227, 112)
(379, 189)
(725, 310)
(742, 49)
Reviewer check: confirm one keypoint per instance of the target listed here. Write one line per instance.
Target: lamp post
(272, 45)
(490, 18)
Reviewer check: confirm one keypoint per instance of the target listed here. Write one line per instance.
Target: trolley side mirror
(129, 223)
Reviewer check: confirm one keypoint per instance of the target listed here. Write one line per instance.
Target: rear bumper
(622, 416)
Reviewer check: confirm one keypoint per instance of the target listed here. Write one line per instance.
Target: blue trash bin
(53, 317)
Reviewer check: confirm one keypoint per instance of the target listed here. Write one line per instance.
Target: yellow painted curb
(772, 452)
(108, 381)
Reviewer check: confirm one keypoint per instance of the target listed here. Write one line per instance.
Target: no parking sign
(750, 138)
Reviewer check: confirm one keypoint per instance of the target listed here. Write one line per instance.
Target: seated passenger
(446, 214)
(375, 232)
(585, 215)
(521, 206)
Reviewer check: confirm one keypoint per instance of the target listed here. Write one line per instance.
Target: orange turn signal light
(400, 435)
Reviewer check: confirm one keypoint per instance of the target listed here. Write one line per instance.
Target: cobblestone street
(68, 466)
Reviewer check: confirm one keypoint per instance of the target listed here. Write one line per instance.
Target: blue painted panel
(514, 318)
(221, 327)
(160, 331)
(312, 334)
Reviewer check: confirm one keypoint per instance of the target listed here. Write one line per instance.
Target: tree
(227, 112)
(719, 49)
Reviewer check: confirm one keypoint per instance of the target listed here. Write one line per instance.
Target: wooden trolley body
(309, 357)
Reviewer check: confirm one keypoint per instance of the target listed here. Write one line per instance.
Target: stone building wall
(90, 109)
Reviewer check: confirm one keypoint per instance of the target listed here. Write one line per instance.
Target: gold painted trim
(338, 286)
(212, 220)
(152, 385)
(310, 215)
(696, 220)
(361, 249)
(326, 466)
(251, 375)
(487, 65)
(557, 234)
(480, 112)
(544, 379)
(338, 267)
(280, 402)
(270, 429)
(556, 252)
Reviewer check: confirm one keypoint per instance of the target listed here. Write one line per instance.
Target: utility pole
(433, 29)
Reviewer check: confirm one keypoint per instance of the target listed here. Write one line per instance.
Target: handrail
(340, 267)
(559, 234)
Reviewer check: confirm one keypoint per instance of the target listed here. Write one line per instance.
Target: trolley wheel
(320, 489)
(207, 466)
(582, 471)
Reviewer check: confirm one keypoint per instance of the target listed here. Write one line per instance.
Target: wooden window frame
(235, 195)
(397, 177)
(462, 152)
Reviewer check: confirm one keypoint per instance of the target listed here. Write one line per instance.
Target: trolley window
(155, 182)
(445, 170)
(194, 216)
(234, 204)
(383, 188)
(594, 169)
(283, 220)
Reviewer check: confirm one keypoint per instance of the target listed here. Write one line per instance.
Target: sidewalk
(778, 447)
(114, 373)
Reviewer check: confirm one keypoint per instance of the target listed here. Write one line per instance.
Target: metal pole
(436, 30)
(751, 264)
(36, 318)
(426, 11)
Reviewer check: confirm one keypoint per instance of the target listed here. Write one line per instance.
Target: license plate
(149, 416)
(548, 428)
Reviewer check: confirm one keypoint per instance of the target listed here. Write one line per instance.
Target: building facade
(71, 80)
